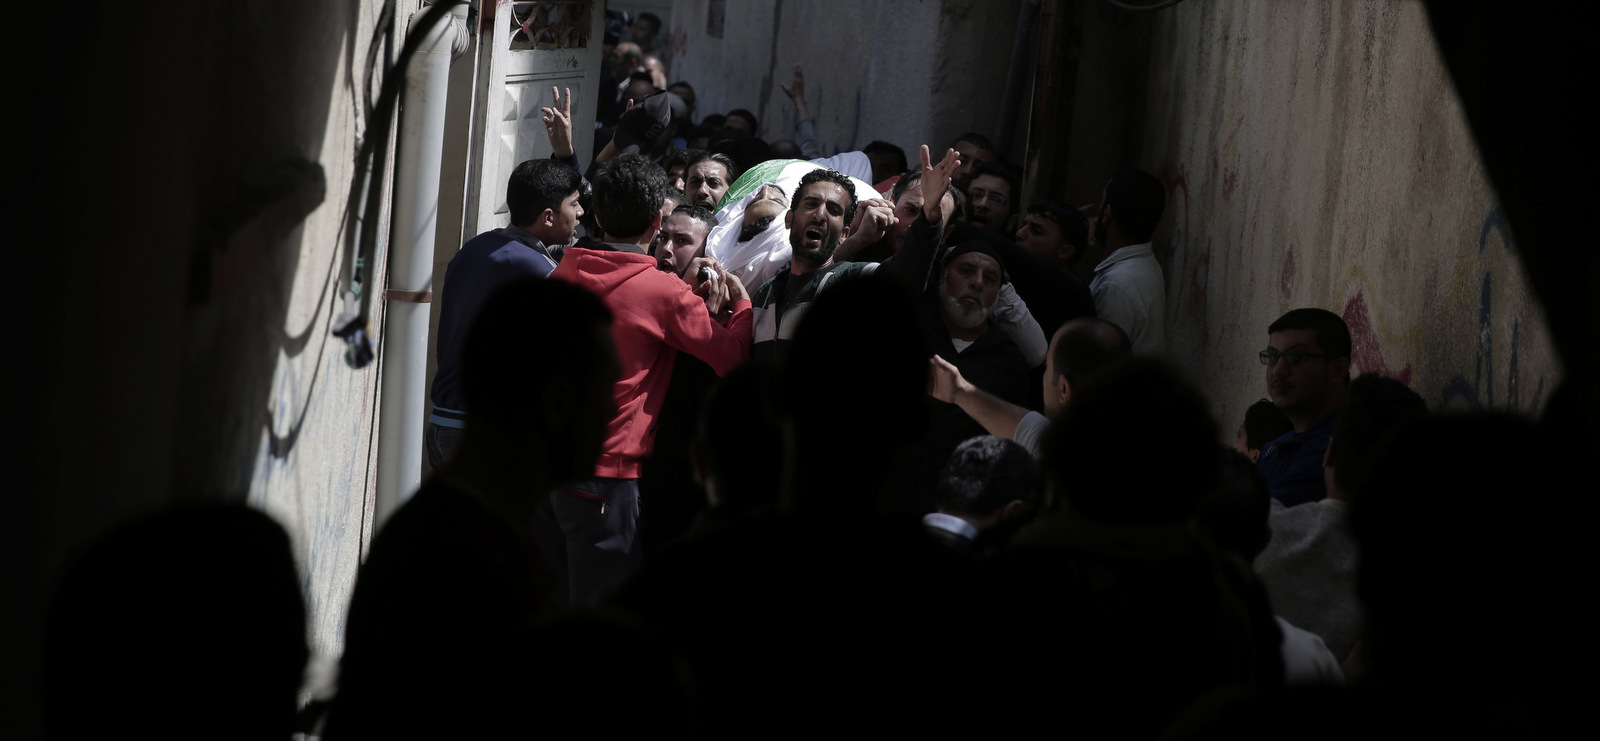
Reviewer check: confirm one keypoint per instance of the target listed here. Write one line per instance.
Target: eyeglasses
(978, 194)
(1269, 357)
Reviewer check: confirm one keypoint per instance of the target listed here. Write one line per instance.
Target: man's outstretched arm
(999, 417)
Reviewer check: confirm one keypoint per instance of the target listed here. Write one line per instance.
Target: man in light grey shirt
(1129, 288)
(1079, 349)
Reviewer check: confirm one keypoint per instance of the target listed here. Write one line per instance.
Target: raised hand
(935, 181)
(944, 380)
(558, 122)
(797, 90)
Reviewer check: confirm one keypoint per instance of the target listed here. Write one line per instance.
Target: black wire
(1141, 8)
(369, 161)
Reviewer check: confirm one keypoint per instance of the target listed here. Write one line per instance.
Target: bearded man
(818, 218)
(961, 328)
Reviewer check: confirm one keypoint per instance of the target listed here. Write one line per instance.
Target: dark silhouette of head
(989, 478)
(1114, 429)
(887, 160)
(866, 330)
(745, 151)
(628, 190)
(1134, 201)
(1263, 423)
(1450, 556)
(1374, 408)
(193, 612)
(537, 384)
(742, 120)
(1233, 514)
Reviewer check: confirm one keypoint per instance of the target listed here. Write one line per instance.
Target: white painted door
(531, 46)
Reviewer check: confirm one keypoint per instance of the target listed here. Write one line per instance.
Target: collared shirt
(1130, 291)
(1292, 464)
(950, 523)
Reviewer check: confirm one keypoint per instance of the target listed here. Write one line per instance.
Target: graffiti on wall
(1213, 273)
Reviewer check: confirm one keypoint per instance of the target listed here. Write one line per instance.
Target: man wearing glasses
(991, 194)
(1308, 369)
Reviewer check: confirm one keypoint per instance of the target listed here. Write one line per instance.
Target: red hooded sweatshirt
(655, 316)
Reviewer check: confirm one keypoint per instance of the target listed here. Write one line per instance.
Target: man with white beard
(961, 328)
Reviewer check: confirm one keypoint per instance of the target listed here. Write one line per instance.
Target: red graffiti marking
(678, 42)
(1286, 282)
(1237, 124)
(1199, 276)
(1230, 181)
(1364, 351)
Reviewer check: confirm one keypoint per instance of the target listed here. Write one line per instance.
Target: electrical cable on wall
(355, 322)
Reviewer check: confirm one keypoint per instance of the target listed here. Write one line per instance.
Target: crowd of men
(733, 439)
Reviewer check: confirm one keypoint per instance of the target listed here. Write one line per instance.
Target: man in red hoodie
(589, 530)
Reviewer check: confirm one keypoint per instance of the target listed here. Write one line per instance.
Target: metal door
(527, 48)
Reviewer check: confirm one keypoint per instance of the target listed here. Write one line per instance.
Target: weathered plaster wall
(181, 182)
(905, 71)
(1316, 155)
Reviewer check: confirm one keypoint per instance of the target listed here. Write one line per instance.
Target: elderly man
(960, 329)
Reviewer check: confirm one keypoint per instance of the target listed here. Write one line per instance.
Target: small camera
(704, 274)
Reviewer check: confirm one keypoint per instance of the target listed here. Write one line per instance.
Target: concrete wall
(1316, 155)
(180, 183)
(905, 71)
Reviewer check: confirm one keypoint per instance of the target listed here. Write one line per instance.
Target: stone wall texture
(1315, 154)
(908, 72)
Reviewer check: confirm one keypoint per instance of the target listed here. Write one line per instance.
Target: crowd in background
(732, 438)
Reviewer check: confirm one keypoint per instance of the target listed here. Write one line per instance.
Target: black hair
(748, 116)
(680, 83)
(681, 157)
(1263, 423)
(628, 190)
(976, 138)
(1137, 200)
(514, 350)
(1073, 224)
(1234, 513)
(698, 213)
(984, 474)
(674, 196)
(536, 185)
(1106, 474)
(785, 149)
(641, 77)
(1087, 346)
(886, 148)
(713, 121)
(1374, 408)
(747, 151)
(1005, 173)
(825, 175)
(720, 158)
(902, 185)
(1333, 335)
(655, 20)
